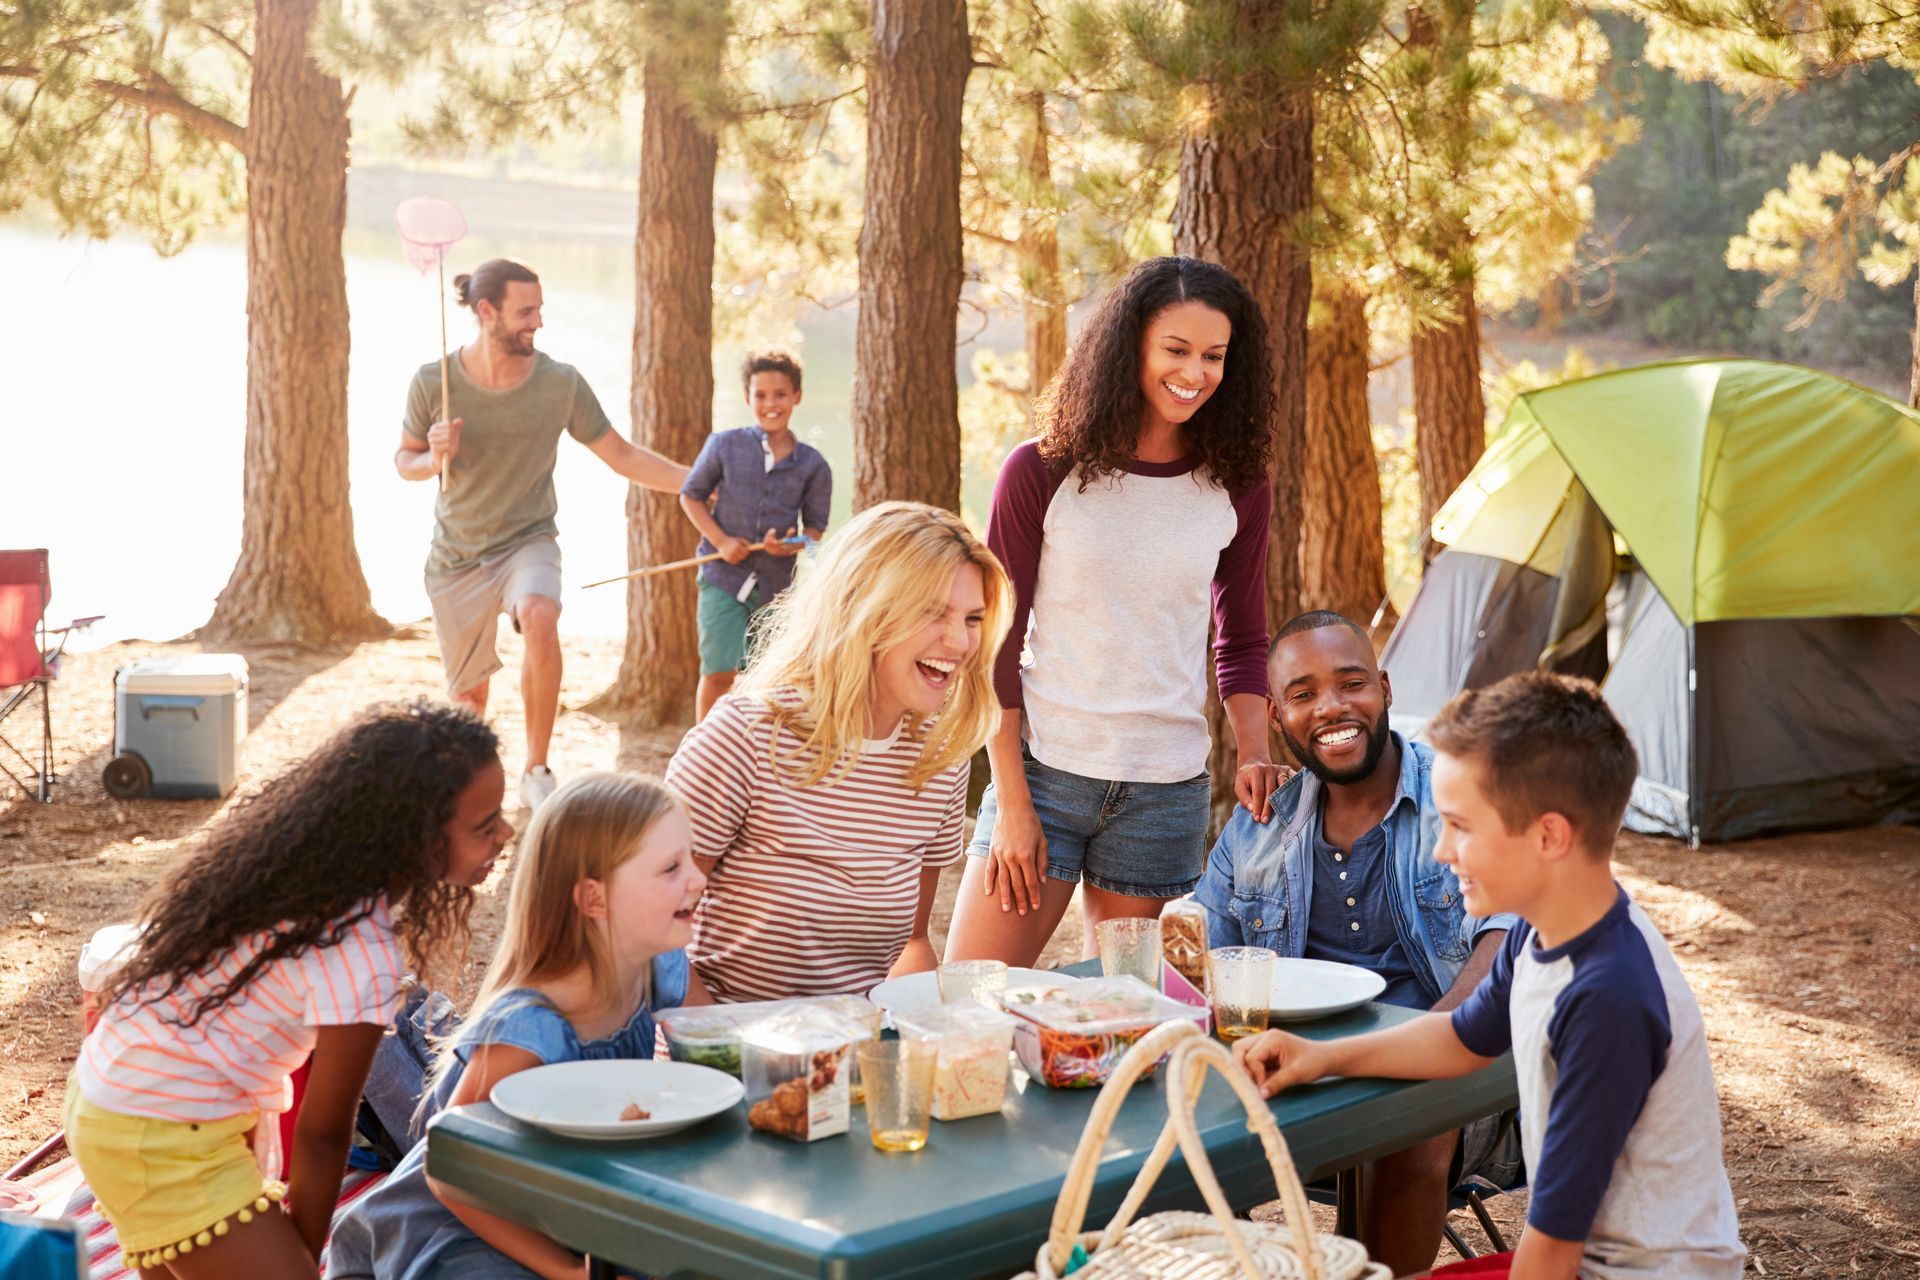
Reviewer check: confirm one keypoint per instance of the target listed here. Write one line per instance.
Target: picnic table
(721, 1202)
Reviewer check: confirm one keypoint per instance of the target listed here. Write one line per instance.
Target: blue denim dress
(400, 1230)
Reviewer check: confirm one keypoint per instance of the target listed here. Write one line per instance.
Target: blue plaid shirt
(795, 493)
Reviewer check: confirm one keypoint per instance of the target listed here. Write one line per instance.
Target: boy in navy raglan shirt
(1618, 1115)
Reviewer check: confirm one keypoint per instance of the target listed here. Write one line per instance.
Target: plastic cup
(899, 1078)
(984, 982)
(1242, 990)
(1130, 946)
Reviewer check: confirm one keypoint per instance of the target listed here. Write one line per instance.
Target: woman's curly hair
(1089, 416)
(302, 861)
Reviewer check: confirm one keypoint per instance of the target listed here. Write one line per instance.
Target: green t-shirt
(500, 489)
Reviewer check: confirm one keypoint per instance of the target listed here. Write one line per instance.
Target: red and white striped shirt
(816, 887)
(239, 1057)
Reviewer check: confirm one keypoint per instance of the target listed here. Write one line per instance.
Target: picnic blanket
(62, 1193)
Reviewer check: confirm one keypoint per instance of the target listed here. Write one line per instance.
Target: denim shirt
(1258, 885)
(794, 492)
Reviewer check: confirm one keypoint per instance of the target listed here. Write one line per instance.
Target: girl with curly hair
(1138, 514)
(288, 933)
(829, 788)
(601, 909)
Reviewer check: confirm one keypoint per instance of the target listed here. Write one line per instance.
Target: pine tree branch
(159, 97)
(164, 100)
(244, 53)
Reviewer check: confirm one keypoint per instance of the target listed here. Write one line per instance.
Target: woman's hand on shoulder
(1016, 859)
(1255, 782)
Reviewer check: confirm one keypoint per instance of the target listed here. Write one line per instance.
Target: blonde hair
(587, 828)
(877, 581)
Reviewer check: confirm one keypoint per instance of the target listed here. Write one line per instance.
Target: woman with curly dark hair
(288, 933)
(1140, 510)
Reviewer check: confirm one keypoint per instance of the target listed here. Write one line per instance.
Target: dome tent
(1766, 655)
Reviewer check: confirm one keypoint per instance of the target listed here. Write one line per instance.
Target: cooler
(178, 720)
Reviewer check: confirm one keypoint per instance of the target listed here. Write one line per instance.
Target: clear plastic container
(1074, 1037)
(798, 1070)
(970, 1074)
(1183, 940)
(709, 1034)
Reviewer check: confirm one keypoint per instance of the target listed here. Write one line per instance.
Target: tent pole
(1693, 744)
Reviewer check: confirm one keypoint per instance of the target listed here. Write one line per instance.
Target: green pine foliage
(115, 114)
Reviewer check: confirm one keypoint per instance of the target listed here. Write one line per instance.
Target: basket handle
(1186, 1075)
(1070, 1209)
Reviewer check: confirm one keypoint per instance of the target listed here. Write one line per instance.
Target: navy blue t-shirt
(1618, 1114)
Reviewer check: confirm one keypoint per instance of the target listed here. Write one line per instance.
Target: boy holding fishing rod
(494, 544)
(767, 481)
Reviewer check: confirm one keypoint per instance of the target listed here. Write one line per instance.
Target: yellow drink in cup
(1242, 990)
(898, 1075)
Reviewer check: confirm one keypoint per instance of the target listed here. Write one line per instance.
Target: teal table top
(722, 1201)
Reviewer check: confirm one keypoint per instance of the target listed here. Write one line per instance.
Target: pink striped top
(815, 890)
(238, 1058)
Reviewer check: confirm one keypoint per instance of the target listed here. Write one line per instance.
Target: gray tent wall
(1774, 725)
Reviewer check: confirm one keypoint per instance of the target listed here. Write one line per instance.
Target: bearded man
(495, 547)
(1344, 871)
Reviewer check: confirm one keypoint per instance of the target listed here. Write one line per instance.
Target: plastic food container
(797, 1068)
(970, 1073)
(1073, 1038)
(709, 1034)
(1183, 940)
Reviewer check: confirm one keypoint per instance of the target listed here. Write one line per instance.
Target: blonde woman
(828, 789)
(604, 886)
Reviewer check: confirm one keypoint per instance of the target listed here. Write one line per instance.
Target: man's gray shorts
(467, 606)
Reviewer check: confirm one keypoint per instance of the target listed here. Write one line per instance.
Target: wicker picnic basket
(1190, 1246)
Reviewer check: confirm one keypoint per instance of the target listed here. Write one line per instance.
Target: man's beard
(1310, 759)
(513, 343)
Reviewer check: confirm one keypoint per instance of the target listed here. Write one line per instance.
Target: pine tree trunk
(672, 399)
(1046, 309)
(298, 577)
(1244, 184)
(906, 393)
(1913, 369)
(1342, 556)
(1449, 413)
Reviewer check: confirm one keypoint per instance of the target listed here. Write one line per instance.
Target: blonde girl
(289, 933)
(828, 789)
(604, 887)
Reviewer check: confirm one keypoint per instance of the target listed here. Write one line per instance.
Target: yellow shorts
(164, 1185)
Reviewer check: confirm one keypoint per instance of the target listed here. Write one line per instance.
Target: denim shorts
(1138, 839)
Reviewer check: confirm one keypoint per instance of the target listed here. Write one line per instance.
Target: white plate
(918, 990)
(1305, 989)
(584, 1099)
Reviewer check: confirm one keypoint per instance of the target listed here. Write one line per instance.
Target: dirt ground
(1804, 951)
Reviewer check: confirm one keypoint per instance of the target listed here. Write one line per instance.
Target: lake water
(126, 410)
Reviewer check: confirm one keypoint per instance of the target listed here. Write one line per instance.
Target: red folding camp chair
(30, 660)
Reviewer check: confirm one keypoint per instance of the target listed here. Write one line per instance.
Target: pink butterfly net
(427, 226)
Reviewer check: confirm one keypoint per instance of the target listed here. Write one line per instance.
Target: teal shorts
(723, 628)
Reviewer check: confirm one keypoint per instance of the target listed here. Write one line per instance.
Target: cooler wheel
(127, 777)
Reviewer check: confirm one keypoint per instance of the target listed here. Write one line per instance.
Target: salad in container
(709, 1034)
(972, 1043)
(1073, 1037)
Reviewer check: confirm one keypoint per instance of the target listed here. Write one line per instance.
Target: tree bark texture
(1449, 411)
(1046, 307)
(298, 577)
(1245, 181)
(672, 398)
(1913, 368)
(906, 406)
(1342, 555)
